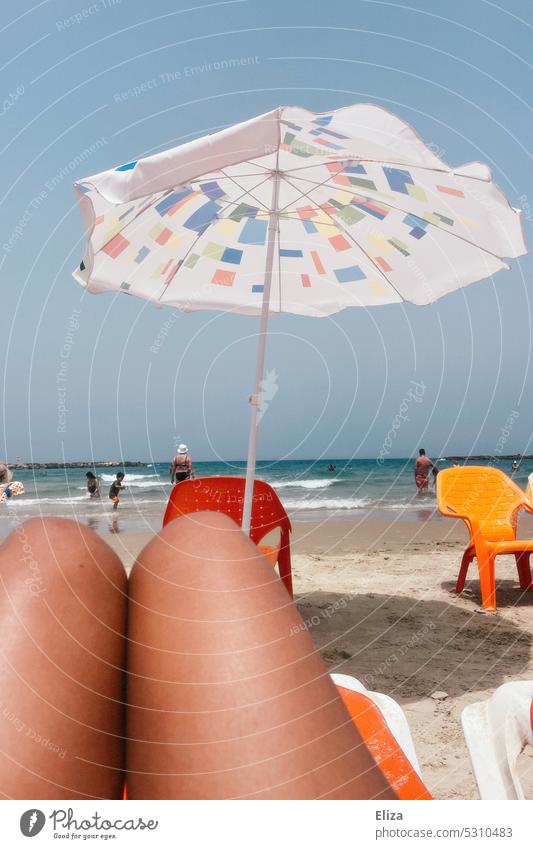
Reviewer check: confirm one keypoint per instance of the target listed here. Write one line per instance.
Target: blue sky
(86, 86)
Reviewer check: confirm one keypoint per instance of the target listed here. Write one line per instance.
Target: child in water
(115, 488)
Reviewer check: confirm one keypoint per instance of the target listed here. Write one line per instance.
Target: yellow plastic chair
(488, 502)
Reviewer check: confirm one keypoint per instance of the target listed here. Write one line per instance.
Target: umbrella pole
(255, 399)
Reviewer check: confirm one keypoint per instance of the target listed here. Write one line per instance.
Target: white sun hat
(182, 449)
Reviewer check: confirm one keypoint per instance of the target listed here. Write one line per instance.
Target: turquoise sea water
(307, 489)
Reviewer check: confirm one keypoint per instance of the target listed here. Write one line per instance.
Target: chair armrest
(472, 525)
(448, 511)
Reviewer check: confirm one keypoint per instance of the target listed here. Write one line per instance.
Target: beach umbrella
(296, 212)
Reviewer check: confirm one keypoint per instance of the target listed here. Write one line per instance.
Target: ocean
(307, 489)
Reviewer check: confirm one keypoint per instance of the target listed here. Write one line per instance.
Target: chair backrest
(496, 732)
(484, 494)
(225, 494)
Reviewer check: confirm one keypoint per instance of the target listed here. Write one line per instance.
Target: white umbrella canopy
(296, 212)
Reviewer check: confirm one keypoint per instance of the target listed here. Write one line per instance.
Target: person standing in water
(181, 466)
(422, 467)
(515, 466)
(115, 488)
(93, 485)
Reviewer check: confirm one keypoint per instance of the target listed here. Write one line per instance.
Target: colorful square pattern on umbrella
(339, 243)
(170, 200)
(349, 275)
(142, 254)
(223, 278)
(212, 190)
(336, 178)
(202, 217)
(232, 255)
(254, 232)
(115, 246)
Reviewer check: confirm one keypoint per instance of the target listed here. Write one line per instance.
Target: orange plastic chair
(383, 746)
(488, 502)
(226, 495)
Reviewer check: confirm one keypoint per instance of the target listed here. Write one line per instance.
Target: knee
(199, 534)
(196, 531)
(45, 531)
(56, 544)
(203, 521)
(196, 539)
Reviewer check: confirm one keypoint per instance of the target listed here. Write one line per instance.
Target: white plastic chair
(497, 731)
(529, 487)
(392, 713)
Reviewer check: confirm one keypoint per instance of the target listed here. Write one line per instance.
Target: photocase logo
(268, 389)
(32, 822)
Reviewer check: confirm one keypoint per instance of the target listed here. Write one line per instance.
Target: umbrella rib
(371, 259)
(244, 193)
(203, 179)
(155, 198)
(302, 194)
(182, 262)
(247, 191)
(159, 195)
(331, 224)
(254, 174)
(199, 236)
(265, 168)
(354, 158)
(404, 212)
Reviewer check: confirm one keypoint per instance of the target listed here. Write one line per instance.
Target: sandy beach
(377, 597)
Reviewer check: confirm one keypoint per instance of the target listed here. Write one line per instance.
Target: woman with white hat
(181, 466)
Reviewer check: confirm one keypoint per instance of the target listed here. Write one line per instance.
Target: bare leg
(62, 622)
(227, 695)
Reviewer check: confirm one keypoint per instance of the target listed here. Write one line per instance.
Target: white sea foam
(23, 500)
(154, 484)
(129, 477)
(402, 505)
(129, 502)
(91, 503)
(326, 503)
(311, 483)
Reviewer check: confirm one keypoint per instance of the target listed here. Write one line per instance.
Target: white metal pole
(255, 399)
